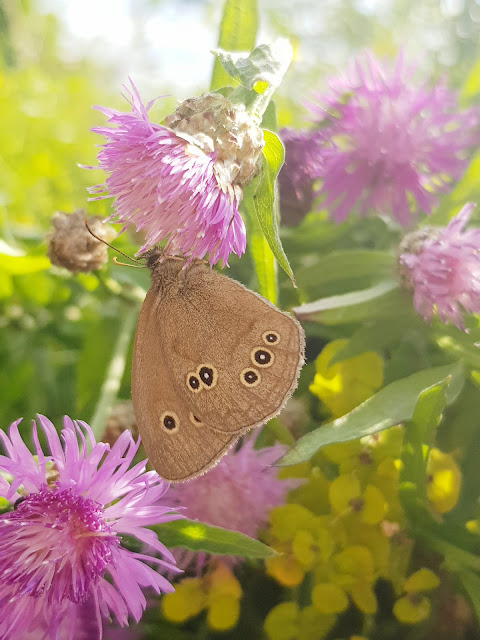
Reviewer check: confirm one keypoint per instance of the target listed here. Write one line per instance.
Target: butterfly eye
(193, 382)
(250, 377)
(208, 375)
(262, 357)
(194, 420)
(170, 421)
(271, 337)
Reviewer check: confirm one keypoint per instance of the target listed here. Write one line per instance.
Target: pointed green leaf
(341, 266)
(197, 536)
(266, 198)
(383, 299)
(418, 432)
(392, 405)
(262, 256)
(238, 30)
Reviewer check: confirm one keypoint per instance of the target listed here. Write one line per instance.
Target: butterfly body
(211, 360)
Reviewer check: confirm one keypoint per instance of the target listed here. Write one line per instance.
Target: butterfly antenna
(139, 264)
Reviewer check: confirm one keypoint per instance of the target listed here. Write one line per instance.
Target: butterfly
(211, 360)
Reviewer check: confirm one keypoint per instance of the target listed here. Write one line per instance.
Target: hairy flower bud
(72, 246)
(441, 267)
(220, 127)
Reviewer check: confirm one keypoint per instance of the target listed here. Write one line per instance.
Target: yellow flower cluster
(218, 592)
(341, 530)
(344, 527)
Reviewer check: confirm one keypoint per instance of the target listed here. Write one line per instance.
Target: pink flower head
(442, 267)
(61, 554)
(394, 146)
(169, 184)
(236, 494)
(301, 168)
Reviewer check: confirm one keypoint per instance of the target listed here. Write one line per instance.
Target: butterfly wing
(178, 446)
(235, 357)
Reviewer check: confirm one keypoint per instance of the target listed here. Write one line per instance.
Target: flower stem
(115, 371)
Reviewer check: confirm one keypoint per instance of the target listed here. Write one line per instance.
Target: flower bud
(72, 246)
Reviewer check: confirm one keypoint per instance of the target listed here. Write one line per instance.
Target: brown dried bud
(217, 125)
(72, 246)
(121, 418)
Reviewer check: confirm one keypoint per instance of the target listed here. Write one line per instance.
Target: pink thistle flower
(236, 494)
(394, 146)
(442, 267)
(61, 554)
(297, 176)
(184, 181)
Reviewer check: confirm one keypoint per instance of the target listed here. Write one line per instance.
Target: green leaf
(392, 405)
(238, 30)
(382, 300)
(266, 198)
(197, 536)
(21, 265)
(262, 256)
(377, 334)
(418, 432)
(344, 266)
(264, 67)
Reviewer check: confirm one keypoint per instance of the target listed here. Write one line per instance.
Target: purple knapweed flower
(442, 268)
(236, 494)
(61, 555)
(393, 146)
(297, 176)
(182, 181)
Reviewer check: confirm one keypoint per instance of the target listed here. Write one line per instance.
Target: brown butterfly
(211, 360)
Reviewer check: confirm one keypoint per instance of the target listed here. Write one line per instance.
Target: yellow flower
(287, 622)
(344, 385)
(346, 496)
(223, 600)
(355, 573)
(328, 597)
(444, 480)
(313, 547)
(281, 622)
(374, 539)
(412, 608)
(415, 607)
(285, 568)
(287, 519)
(188, 599)
(223, 613)
(421, 580)
(314, 625)
(218, 591)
